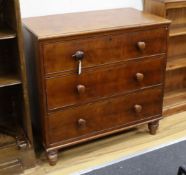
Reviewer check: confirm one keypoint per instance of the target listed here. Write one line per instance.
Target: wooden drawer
(82, 121)
(102, 49)
(67, 90)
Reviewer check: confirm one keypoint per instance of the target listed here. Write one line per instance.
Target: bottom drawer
(79, 122)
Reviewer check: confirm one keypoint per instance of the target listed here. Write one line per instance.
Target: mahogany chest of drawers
(97, 73)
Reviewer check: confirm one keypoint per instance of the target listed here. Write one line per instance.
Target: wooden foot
(153, 127)
(52, 157)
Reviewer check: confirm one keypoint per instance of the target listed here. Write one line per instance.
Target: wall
(45, 7)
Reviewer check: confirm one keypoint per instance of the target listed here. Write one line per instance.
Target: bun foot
(52, 157)
(153, 127)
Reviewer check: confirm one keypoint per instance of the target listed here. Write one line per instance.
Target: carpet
(163, 161)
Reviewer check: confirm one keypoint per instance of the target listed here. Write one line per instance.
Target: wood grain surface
(103, 83)
(89, 22)
(82, 65)
(175, 11)
(101, 50)
(103, 151)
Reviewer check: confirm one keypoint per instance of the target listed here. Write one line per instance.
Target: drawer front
(58, 56)
(104, 115)
(63, 91)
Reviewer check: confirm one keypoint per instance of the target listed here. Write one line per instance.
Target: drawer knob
(79, 55)
(139, 77)
(82, 123)
(141, 45)
(81, 89)
(138, 108)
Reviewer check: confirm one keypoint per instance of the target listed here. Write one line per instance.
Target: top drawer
(99, 50)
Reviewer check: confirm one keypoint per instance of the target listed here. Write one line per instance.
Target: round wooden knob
(141, 45)
(81, 89)
(139, 77)
(79, 55)
(82, 123)
(138, 108)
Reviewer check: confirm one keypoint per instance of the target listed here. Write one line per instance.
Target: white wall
(45, 7)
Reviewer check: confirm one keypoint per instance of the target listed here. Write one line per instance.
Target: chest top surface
(89, 22)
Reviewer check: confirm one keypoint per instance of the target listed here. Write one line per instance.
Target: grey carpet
(164, 161)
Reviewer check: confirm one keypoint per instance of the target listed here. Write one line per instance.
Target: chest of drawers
(97, 73)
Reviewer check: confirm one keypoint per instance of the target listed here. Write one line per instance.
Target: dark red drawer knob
(138, 108)
(141, 45)
(79, 55)
(82, 123)
(81, 89)
(139, 77)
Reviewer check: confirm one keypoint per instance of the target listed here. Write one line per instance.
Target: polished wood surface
(175, 100)
(177, 47)
(168, 4)
(93, 81)
(103, 83)
(176, 62)
(178, 30)
(154, 7)
(175, 11)
(111, 149)
(96, 21)
(15, 121)
(101, 116)
(6, 33)
(168, 1)
(176, 83)
(58, 56)
(175, 4)
(7, 80)
(177, 16)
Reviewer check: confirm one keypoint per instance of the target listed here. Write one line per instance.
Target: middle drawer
(94, 84)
